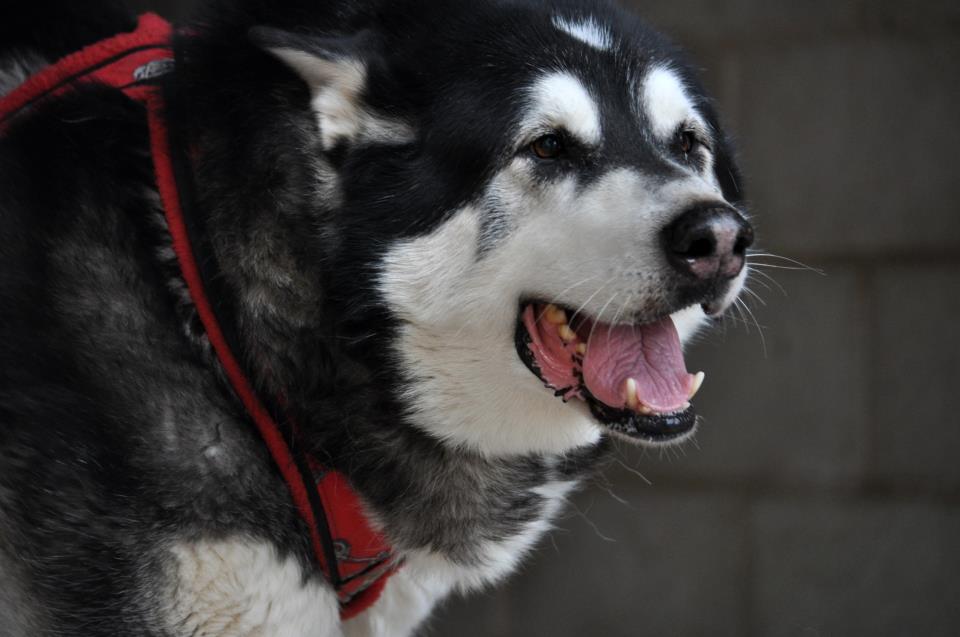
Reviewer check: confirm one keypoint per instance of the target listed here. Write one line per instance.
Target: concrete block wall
(822, 495)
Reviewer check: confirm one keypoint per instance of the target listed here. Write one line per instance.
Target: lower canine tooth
(631, 391)
(555, 315)
(697, 384)
(582, 349)
(566, 333)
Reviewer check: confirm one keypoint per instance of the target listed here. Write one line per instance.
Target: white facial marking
(595, 248)
(561, 101)
(587, 30)
(666, 102)
(243, 588)
(667, 106)
(467, 385)
(336, 87)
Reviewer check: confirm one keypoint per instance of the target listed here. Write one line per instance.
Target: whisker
(803, 266)
(755, 295)
(786, 267)
(743, 317)
(591, 523)
(600, 315)
(769, 278)
(763, 285)
(634, 472)
(616, 316)
(556, 297)
(729, 318)
(613, 495)
(590, 298)
(763, 340)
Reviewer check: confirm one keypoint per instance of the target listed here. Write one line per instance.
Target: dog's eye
(547, 147)
(687, 141)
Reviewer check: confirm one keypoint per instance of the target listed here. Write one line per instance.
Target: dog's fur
(362, 178)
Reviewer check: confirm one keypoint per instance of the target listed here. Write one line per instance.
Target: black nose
(708, 242)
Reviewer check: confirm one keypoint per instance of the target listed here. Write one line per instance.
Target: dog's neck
(304, 336)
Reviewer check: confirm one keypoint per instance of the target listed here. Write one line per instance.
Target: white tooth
(582, 349)
(631, 391)
(697, 384)
(555, 315)
(686, 406)
(566, 333)
(646, 411)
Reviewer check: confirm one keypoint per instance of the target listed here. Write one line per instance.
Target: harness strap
(123, 62)
(355, 558)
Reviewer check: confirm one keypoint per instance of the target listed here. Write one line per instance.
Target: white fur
(689, 321)
(587, 30)
(426, 577)
(665, 101)
(559, 100)
(667, 106)
(336, 87)
(242, 588)
(597, 248)
(407, 599)
(469, 386)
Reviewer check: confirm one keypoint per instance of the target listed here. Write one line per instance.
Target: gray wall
(822, 496)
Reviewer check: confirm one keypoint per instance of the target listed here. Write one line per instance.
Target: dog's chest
(429, 575)
(245, 588)
(495, 557)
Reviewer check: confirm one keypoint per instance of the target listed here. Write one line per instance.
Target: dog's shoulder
(117, 439)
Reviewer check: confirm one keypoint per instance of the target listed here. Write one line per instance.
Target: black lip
(652, 428)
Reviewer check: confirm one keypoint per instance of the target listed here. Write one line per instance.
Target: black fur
(118, 435)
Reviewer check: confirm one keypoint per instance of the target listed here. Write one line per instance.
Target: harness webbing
(354, 557)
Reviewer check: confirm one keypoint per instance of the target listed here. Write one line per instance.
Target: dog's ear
(334, 69)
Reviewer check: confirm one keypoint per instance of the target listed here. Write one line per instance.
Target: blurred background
(822, 495)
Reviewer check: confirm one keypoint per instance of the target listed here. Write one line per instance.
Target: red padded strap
(360, 560)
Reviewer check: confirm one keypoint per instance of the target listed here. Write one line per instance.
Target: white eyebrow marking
(666, 102)
(561, 101)
(587, 30)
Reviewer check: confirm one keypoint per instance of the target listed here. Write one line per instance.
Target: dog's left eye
(548, 146)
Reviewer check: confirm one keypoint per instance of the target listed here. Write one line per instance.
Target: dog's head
(549, 206)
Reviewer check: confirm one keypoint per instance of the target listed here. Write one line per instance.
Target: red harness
(355, 558)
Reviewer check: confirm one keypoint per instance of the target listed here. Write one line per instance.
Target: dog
(459, 242)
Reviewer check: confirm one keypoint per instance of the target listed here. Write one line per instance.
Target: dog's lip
(644, 425)
(657, 428)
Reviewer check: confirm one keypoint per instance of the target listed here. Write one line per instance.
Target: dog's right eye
(687, 141)
(547, 147)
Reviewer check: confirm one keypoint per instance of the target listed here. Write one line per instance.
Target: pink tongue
(650, 354)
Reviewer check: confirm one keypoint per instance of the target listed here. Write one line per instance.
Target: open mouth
(632, 377)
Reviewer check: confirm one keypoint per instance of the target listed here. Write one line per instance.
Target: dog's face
(555, 208)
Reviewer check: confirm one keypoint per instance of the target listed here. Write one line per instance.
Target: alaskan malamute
(458, 244)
